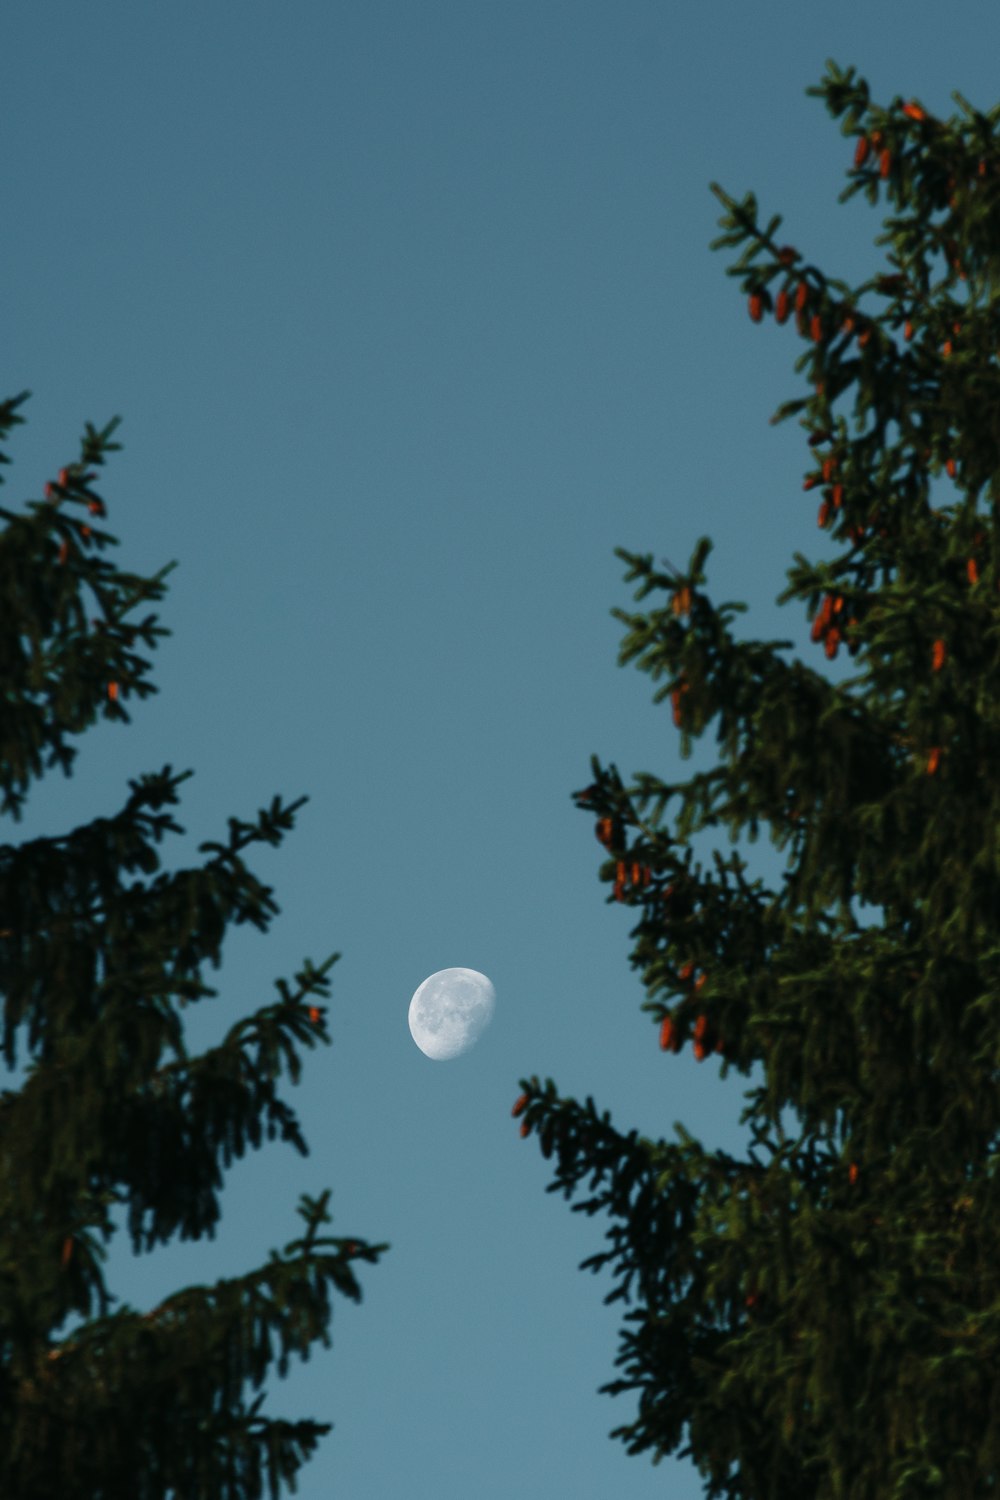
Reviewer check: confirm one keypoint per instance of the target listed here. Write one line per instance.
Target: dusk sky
(410, 315)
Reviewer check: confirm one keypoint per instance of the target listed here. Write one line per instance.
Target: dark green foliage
(100, 950)
(822, 1319)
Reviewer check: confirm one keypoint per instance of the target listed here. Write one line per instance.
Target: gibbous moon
(450, 1011)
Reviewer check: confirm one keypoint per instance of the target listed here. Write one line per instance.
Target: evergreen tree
(100, 950)
(822, 1317)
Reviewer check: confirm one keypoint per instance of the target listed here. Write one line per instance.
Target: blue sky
(410, 315)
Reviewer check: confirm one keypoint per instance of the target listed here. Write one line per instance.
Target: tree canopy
(821, 1318)
(115, 1124)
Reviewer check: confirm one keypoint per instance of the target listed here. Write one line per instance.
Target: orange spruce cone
(666, 1033)
(781, 306)
(520, 1105)
(605, 831)
(756, 306)
(861, 151)
(822, 619)
(933, 760)
(938, 656)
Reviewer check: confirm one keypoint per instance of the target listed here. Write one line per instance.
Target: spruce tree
(821, 1317)
(114, 1124)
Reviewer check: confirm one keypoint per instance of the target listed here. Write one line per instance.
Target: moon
(450, 1011)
